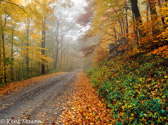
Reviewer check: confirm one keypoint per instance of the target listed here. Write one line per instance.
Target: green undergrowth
(134, 88)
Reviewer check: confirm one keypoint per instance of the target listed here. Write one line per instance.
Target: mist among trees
(37, 37)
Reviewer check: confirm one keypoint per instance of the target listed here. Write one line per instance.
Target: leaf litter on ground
(18, 86)
(84, 106)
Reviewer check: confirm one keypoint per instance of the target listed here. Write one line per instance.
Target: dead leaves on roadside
(85, 107)
(17, 86)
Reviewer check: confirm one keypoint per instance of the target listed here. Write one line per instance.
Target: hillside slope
(135, 88)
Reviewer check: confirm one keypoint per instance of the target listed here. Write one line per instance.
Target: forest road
(41, 103)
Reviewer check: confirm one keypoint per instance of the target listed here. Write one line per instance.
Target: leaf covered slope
(135, 88)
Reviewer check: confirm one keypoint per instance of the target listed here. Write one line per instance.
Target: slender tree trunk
(72, 64)
(57, 46)
(121, 27)
(119, 21)
(47, 68)
(27, 44)
(126, 18)
(3, 47)
(64, 59)
(32, 62)
(21, 66)
(43, 45)
(12, 59)
(115, 34)
(147, 18)
(147, 10)
(56, 58)
(67, 62)
(19, 72)
(4, 55)
(61, 57)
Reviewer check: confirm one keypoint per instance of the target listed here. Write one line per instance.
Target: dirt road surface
(38, 104)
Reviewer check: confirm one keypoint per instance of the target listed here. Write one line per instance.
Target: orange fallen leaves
(17, 86)
(85, 107)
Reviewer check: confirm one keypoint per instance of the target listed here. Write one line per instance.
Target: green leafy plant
(134, 88)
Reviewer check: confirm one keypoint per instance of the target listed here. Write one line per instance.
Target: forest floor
(67, 98)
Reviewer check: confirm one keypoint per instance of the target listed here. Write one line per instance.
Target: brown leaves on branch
(161, 51)
(101, 54)
(88, 50)
(86, 17)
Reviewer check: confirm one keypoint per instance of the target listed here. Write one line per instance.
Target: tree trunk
(56, 58)
(135, 11)
(27, 44)
(115, 33)
(12, 59)
(18, 73)
(64, 60)
(147, 10)
(4, 55)
(153, 14)
(162, 18)
(126, 18)
(61, 57)
(124, 27)
(57, 46)
(67, 62)
(3, 47)
(32, 62)
(43, 45)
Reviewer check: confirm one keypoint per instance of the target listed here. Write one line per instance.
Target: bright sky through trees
(75, 11)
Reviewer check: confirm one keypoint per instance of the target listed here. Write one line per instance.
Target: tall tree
(153, 14)
(3, 46)
(135, 11)
(27, 44)
(43, 44)
(126, 16)
(57, 43)
(12, 51)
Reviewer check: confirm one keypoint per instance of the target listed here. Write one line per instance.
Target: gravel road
(41, 103)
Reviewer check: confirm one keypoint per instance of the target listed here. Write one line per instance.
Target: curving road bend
(41, 103)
